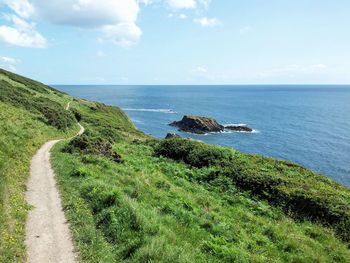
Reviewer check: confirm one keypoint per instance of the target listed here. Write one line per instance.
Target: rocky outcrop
(203, 125)
(172, 136)
(199, 125)
(238, 128)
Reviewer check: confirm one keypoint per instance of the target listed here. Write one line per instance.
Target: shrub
(55, 115)
(88, 143)
(77, 114)
(194, 153)
(297, 190)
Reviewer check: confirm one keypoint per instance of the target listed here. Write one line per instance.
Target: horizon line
(279, 84)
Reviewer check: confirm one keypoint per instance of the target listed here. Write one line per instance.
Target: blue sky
(177, 41)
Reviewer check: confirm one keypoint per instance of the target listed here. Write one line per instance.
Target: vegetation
(131, 198)
(49, 111)
(292, 187)
(149, 209)
(88, 143)
(23, 129)
(152, 209)
(105, 121)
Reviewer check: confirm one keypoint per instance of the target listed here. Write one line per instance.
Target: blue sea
(309, 125)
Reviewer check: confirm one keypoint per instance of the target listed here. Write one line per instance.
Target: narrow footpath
(48, 238)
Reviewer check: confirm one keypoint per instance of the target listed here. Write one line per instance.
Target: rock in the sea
(238, 128)
(172, 136)
(199, 125)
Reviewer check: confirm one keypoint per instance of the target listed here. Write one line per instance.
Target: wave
(253, 131)
(152, 110)
(227, 132)
(235, 124)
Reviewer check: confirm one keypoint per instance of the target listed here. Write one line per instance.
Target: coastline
(319, 143)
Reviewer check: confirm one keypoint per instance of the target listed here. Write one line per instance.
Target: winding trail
(48, 238)
(68, 105)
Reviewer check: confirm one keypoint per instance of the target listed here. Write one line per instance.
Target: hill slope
(30, 114)
(131, 198)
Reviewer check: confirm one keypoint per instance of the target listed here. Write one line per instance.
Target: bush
(88, 143)
(297, 190)
(54, 114)
(194, 153)
(77, 114)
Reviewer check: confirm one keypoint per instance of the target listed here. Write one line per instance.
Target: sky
(155, 42)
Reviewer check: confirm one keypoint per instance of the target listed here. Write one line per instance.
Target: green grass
(191, 209)
(24, 128)
(131, 198)
(147, 209)
(297, 190)
(109, 122)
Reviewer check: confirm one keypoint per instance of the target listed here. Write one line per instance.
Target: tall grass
(297, 190)
(149, 209)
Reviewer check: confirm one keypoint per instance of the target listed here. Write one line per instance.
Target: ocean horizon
(306, 124)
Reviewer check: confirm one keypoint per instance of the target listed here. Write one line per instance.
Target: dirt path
(48, 236)
(68, 105)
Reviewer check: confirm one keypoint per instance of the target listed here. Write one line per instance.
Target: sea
(306, 124)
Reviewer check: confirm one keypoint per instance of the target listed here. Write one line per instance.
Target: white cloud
(124, 34)
(87, 13)
(186, 4)
(22, 8)
(207, 22)
(205, 3)
(21, 33)
(8, 60)
(115, 18)
(8, 63)
(182, 4)
(146, 2)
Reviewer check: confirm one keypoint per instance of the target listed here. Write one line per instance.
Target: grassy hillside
(131, 198)
(29, 116)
